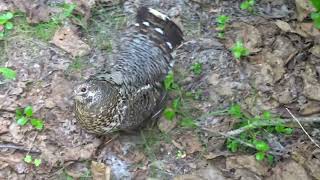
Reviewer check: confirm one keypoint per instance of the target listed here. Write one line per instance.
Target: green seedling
(25, 116)
(315, 16)
(222, 21)
(255, 129)
(8, 73)
(247, 5)
(5, 24)
(181, 154)
(28, 159)
(239, 50)
(196, 68)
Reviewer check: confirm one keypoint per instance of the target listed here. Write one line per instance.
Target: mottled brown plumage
(122, 97)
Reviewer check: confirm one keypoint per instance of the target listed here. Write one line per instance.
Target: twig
(241, 141)
(312, 140)
(18, 147)
(258, 124)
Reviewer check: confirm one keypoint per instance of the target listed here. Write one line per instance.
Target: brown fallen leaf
(36, 11)
(289, 170)
(68, 40)
(246, 162)
(190, 142)
(100, 171)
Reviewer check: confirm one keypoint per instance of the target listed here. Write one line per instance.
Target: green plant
(196, 68)
(315, 16)
(248, 5)
(23, 116)
(177, 107)
(239, 50)
(5, 23)
(28, 159)
(8, 73)
(222, 21)
(254, 131)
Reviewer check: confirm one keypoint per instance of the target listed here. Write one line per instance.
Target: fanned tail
(160, 27)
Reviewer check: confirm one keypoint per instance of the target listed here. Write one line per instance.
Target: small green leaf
(260, 156)
(8, 25)
(37, 123)
(235, 111)
(188, 123)
(266, 115)
(37, 162)
(270, 159)
(222, 19)
(8, 73)
(169, 81)
(169, 114)
(262, 146)
(316, 4)
(19, 113)
(28, 111)
(1, 34)
(176, 104)
(232, 145)
(22, 121)
(288, 131)
(28, 159)
(5, 17)
(197, 68)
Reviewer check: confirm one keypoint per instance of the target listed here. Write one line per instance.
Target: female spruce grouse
(122, 97)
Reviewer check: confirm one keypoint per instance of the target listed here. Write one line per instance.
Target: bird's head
(94, 94)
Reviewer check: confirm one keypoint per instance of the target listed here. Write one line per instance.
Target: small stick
(18, 147)
(312, 140)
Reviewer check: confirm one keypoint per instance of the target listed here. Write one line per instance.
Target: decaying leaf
(100, 171)
(68, 40)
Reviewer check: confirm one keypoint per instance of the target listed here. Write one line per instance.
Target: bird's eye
(83, 89)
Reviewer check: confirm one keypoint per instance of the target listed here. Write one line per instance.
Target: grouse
(131, 91)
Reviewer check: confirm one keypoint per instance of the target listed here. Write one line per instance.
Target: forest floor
(50, 55)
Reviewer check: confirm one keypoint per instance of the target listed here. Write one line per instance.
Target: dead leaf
(289, 170)
(81, 153)
(190, 142)
(203, 174)
(315, 50)
(68, 40)
(100, 171)
(4, 125)
(311, 84)
(246, 162)
(249, 34)
(165, 125)
(284, 26)
(36, 11)
(77, 169)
